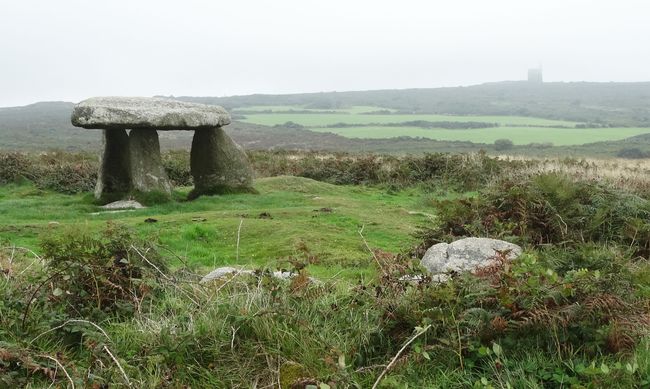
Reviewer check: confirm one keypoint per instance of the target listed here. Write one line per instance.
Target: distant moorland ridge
(46, 125)
(614, 103)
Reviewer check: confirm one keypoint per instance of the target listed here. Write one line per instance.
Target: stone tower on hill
(535, 76)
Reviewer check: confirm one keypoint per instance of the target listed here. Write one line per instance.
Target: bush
(503, 144)
(548, 209)
(67, 177)
(99, 275)
(14, 167)
(177, 166)
(632, 153)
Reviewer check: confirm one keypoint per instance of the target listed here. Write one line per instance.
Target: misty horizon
(338, 91)
(71, 50)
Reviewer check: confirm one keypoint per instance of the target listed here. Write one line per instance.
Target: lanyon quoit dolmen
(131, 163)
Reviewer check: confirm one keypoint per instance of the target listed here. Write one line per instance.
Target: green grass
(332, 237)
(321, 120)
(169, 331)
(521, 130)
(518, 135)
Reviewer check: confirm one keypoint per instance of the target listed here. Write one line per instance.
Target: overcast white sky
(73, 49)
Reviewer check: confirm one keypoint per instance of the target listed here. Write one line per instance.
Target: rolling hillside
(261, 119)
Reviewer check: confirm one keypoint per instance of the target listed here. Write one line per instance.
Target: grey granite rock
(147, 171)
(466, 254)
(221, 272)
(146, 112)
(218, 165)
(114, 177)
(124, 204)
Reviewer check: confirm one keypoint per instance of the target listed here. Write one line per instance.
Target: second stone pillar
(147, 171)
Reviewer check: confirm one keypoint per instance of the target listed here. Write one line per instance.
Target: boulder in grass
(467, 255)
(227, 271)
(124, 204)
(222, 272)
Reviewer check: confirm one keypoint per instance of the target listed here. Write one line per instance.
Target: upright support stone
(114, 178)
(218, 164)
(147, 171)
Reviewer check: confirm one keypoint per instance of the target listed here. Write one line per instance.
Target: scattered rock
(116, 211)
(416, 279)
(222, 272)
(124, 204)
(430, 216)
(284, 275)
(466, 254)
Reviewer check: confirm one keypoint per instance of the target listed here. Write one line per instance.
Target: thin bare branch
(149, 262)
(371, 252)
(62, 368)
(126, 378)
(392, 362)
(68, 322)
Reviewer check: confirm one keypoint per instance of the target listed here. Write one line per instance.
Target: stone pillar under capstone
(147, 171)
(218, 164)
(114, 178)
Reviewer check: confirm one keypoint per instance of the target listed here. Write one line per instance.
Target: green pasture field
(324, 119)
(204, 231)
(520, 130)
(518, 135)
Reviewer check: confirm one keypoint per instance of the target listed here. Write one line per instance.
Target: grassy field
(205, 231)
(520, 130)
(324, 119)
(518, 135)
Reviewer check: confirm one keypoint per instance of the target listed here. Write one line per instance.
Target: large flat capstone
(147, 113)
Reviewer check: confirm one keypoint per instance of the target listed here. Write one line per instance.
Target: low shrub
(66, 178)
(503, 144)
(177, 166)
(95, 276)
(549, 208)
(550, 318)
(582, 305)
(14, 167)
(632, 153)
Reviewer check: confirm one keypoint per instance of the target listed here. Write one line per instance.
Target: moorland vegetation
(111, 299)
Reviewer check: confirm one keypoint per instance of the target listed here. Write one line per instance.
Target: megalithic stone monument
(132, 163)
